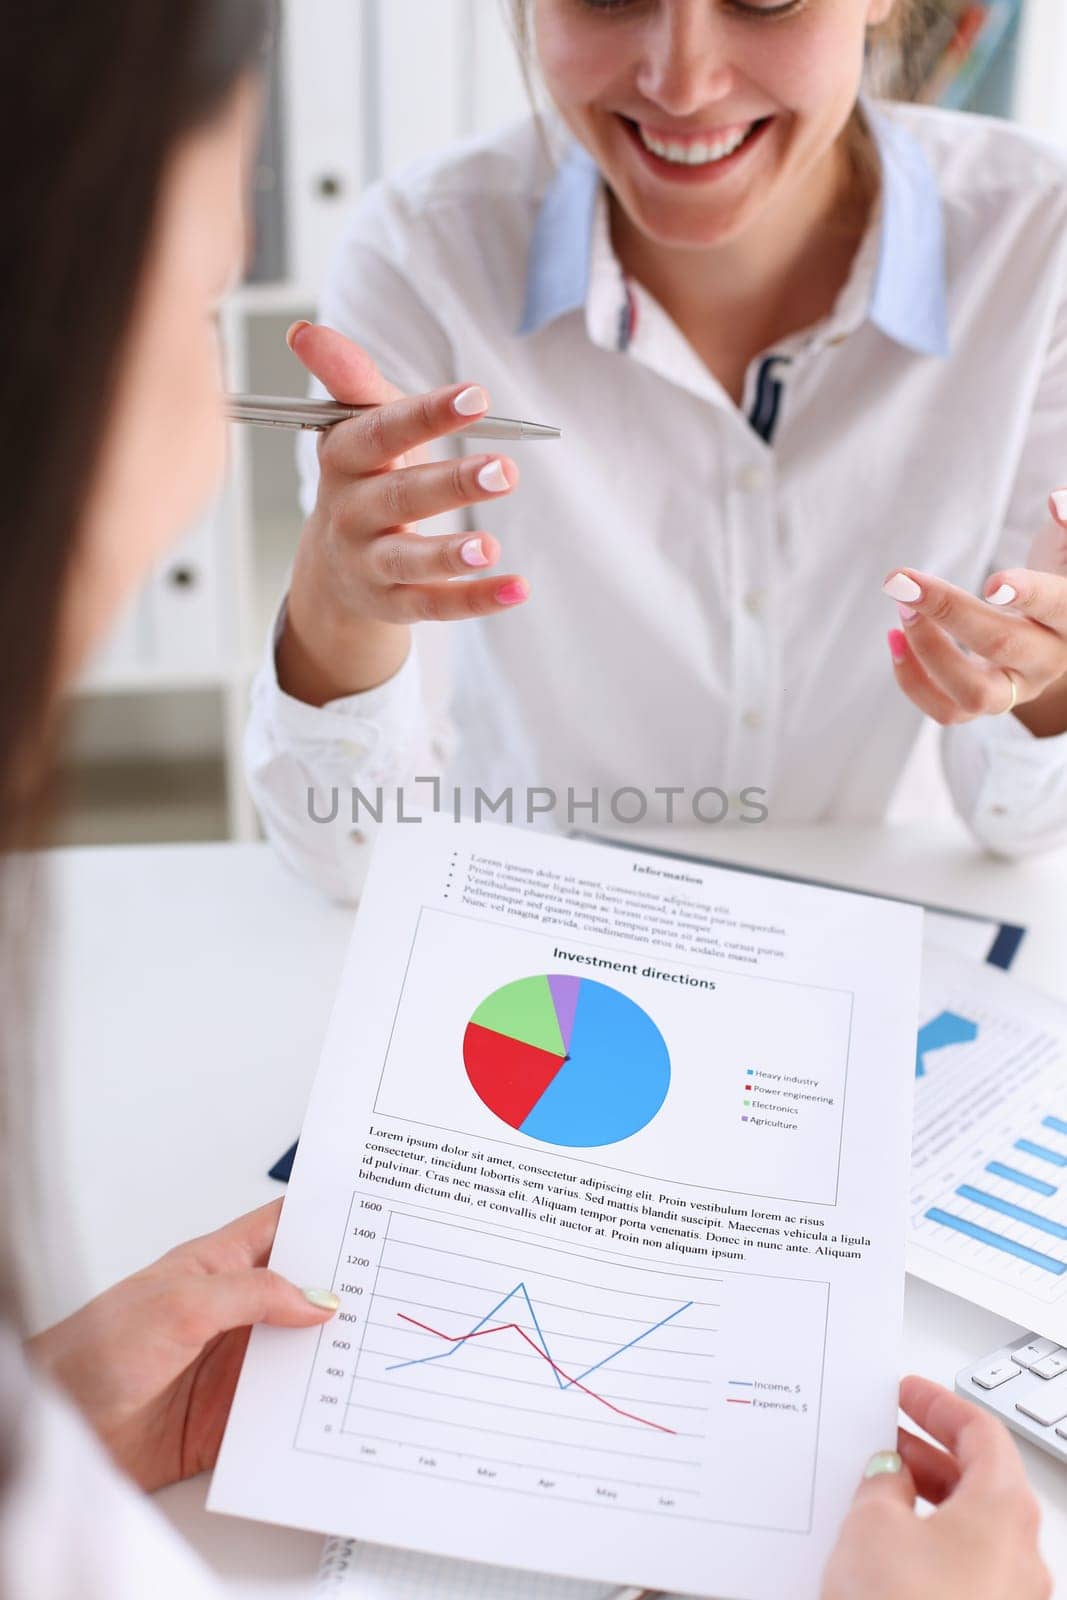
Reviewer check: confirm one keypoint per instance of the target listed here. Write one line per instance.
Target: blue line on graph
(520, 1289)
(742, 1383)
(997, 1241)
(630, 1344)
(1055, 1123)
(1013, 1175)
(1008, 1208)
(1042, 1151)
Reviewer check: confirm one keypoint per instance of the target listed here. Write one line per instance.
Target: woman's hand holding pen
(981, 1541)
(363, 573)
(1014, 655)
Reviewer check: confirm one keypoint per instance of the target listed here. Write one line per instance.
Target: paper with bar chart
(989, 1159)
(606, 1162)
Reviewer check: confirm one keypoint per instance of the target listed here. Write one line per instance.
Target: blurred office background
(359, 89)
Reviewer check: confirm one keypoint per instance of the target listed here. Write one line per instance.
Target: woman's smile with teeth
(697, 152)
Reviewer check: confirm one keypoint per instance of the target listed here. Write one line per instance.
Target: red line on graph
(506, 1327)
(732, 1402)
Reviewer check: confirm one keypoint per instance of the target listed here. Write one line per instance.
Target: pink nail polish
(473, 553)
(510, 594)
(898, 646)
(906, 613)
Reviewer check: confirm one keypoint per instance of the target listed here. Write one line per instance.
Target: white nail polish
(901, 587)
(492, 478)
(1059, 500)
(883, 1461)
(470, 401)
(1002, 596)
(473, 553)
(321, 1299)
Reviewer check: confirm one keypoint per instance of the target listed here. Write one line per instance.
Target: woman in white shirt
(139, 134)
(798, 344)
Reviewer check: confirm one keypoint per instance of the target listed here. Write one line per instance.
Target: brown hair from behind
(94, 98)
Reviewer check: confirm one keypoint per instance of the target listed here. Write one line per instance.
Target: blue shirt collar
(908, 300)
(557, 272)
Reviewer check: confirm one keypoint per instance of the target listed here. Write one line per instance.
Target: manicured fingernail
(510, 594)
(297, 328)
(883, 1461)
(1002, 596)
(492, 478)
(473, 553)
(1057, 501)
(470, 401)
(901, 587)
(906, 613)
(898, 647)
(321, 1299)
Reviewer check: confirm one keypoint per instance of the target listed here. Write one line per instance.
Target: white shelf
(272, 299)
(155, 680)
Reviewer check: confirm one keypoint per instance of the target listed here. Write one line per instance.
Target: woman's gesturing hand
(981, 1541)
(362, 571)
(1014, 655)
(152, 1363)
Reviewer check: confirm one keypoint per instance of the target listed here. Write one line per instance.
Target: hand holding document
(606, 1160)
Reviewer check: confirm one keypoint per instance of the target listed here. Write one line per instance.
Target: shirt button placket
(755, 524)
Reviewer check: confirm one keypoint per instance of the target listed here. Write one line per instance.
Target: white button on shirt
(706, 605)
(750, 479)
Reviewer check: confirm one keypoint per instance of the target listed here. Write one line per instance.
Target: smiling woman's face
(704, 114)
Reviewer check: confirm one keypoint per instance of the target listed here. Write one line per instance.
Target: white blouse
(706, 631)
(71, 1527)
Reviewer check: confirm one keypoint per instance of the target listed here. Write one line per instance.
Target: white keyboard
(1025, 1385)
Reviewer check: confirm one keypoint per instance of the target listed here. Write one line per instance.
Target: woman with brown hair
(127, 130)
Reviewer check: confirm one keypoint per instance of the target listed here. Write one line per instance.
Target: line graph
(563, 1380)
(479, 1352)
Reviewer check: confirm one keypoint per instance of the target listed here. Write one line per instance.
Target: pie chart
(566, 1060)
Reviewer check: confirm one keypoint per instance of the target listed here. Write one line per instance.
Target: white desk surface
(195, 986)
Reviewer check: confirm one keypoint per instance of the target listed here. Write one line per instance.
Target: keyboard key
(1034, 1350)
(1051, 1366)
(993, 1376)
(1048, 1405)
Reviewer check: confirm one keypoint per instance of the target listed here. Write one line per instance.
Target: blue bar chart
(994, 1200)
(989, 1154)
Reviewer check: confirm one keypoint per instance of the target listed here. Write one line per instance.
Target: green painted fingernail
(883, 1461)
(322, 1299)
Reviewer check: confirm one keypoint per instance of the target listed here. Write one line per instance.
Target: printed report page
(606, 1160)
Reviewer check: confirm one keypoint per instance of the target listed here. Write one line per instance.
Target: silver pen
(279, 412)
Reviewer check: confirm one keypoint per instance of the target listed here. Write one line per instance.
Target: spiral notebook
(378, 1572)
